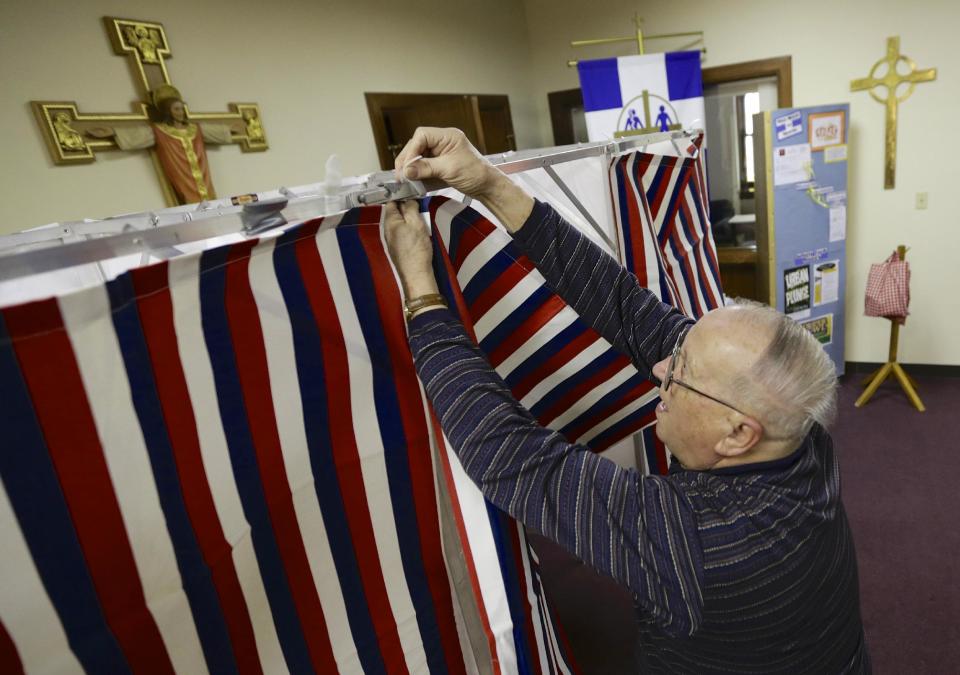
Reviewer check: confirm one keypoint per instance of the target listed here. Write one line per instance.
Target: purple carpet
(900, 473)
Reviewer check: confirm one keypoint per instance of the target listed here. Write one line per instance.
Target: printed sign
(821, 327)
(826, 129)
(826, 282)
(835, 153)
(789, 125)
(796, 291)
(791, 164)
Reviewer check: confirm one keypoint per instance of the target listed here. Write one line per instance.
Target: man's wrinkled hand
(448, 156)
(410, 248)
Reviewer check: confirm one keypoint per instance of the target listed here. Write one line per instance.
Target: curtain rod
(158, 233)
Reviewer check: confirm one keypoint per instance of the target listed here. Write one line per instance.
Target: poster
(789, 125)
(826, 129)
(826, 282)
(838, 222)
(791, 164)
(796, 291)
(821, 327)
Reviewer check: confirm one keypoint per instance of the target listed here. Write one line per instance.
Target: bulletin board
(802, 207)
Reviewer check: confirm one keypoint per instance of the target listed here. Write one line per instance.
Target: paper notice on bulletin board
(796, 292)
(838, 223)
(826, 282)
(791, 164)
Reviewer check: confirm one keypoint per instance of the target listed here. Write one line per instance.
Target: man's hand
(448, 156)
(410, 248)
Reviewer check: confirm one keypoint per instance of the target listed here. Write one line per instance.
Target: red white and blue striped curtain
(663, 229)
(225, 463)
(665, 238)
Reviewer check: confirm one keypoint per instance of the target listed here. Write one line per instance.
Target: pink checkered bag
(888, 289)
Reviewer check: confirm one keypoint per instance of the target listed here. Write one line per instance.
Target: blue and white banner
(633, 94)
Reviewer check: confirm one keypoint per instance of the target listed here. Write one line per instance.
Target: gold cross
(65, 128)
(891, 80)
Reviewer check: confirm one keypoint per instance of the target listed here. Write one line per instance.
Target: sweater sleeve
(638, 530)
(602, 292)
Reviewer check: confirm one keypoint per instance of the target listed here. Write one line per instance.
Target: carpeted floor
(901, 487)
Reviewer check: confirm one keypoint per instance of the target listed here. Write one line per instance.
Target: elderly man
(741, 559)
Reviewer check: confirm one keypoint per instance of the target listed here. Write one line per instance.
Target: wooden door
(394, 117)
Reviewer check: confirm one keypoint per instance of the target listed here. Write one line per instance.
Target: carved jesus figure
(179, 144)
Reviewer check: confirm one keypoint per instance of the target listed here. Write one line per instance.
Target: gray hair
(793, 385)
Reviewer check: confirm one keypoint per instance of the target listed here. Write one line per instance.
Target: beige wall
(831, 43)
(307, 63)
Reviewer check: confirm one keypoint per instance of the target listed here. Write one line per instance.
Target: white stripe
(615, 418)
(591, 397)
(523, 289)
(577, 363)
(445, 215)
(371, 451)
(184, 278)
(560, 322)
(481, 254)
(533, 601)
(473, 511)
(87, 319)
(288, 410)
(25, 608)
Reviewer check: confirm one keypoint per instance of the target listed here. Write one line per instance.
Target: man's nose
(660, 369)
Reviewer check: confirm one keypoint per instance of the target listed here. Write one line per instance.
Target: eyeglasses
(670, 379)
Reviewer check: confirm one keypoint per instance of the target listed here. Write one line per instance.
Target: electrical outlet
(921, 201)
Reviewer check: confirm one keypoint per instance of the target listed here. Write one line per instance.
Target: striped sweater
(749, 569)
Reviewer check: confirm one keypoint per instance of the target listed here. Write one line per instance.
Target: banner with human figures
(636, 94)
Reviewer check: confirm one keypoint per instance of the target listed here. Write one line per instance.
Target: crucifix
(891, 80)
(160, 120)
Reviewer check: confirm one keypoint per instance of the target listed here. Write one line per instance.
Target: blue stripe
(574, 380)
(489, 273)
(650, 448)
(396, 458)
(509, 324)
(500, 524)
(546, 351)
(621, 174)
(600, 82)
(194, 572)
(684, 77)
(617, 431)
(311, 376)
(216, 331)
(606, 400)
(459, 224)
(33, 488)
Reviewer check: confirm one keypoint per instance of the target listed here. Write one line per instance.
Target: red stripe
(513, 534)
(657, 201)
(9, 657)
(636, 392)
(470, 238)
(576, 393)
(417, 436)
(502, 285)
(465, 541)
(634, 190)
(537, 320)
(346, 456)
(704, 277)
(555, 362)
(156, 315)
(245, 332)
(60, 400)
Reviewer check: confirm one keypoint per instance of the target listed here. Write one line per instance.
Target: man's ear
(746, 433)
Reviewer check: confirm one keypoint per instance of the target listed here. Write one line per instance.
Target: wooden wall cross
(891, 80)
(73, 137)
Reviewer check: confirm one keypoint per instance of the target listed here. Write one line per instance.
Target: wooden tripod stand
(907, 383)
